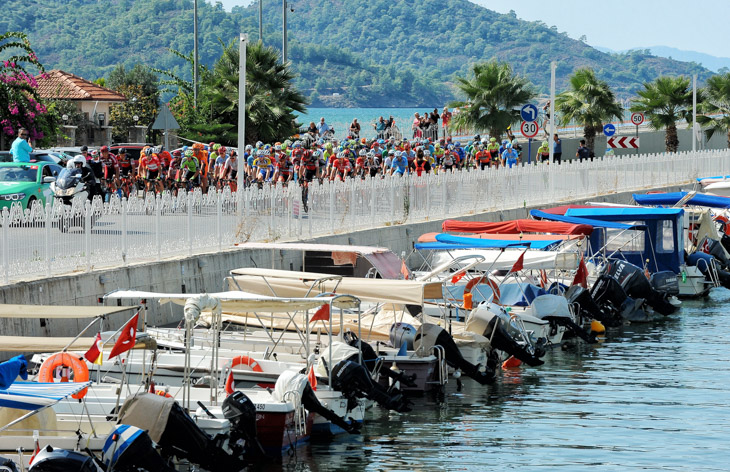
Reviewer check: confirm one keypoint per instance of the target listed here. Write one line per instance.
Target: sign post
(529, 130)
(637, 119)
(165, 121)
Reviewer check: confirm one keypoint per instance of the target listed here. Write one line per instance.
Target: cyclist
(202, 156)
(149, 170)
(111, 169)
(482, 157)
(284, 168)
(510, 156)
(372, 164)
(229, 170)
(493, 150)
(262, 166)
(189, 168)
(399, 164)
(543, 153)
(360, 163)
(449, 160)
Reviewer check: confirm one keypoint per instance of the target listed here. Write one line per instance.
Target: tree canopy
(665, 101)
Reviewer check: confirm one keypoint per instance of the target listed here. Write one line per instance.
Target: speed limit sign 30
(637, 118)
(529, 129)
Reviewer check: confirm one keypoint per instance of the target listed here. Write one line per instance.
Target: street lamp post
(195, 54)
(261, 21)
(283, 46)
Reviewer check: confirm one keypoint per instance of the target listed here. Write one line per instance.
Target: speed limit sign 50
(529, 129)
(637, 118)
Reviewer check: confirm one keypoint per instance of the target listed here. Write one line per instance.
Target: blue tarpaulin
(483, 243)
(11, 369)
(519, 294)
(582, 221)
(671, 198)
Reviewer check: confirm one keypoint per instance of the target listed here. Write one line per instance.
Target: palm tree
(715, 100)
(664, 102)
(493, 98)
(589, 102)
(271, 99)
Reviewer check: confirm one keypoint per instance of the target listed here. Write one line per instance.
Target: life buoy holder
(68, 360)
(241, 360)
(486, 281)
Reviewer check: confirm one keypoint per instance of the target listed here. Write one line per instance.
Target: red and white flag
(127, 337)
(93, 355)
(458, 277)
(581, 275)
(519, 264)
(312, 378)
(35, 452)
(322, 314)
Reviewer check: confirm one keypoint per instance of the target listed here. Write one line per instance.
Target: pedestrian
(21, 147)
(380, 127)
(416, 126)
(583, 152)
(323, 128)
(445, 120)
(355, 129)
(557, 148)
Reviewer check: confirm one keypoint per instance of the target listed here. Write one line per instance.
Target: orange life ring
(724, 226)
(483, 280)
(241, 360)
(65, 359)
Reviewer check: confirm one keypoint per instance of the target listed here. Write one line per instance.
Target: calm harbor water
(647, 397)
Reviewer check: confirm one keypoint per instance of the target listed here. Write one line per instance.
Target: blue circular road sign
(529, 112)
(609, 130)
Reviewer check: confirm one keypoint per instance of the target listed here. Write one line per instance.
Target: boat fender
(241, 360)
(69, 361)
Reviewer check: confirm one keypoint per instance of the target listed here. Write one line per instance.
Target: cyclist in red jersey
(111, 169)
(340, 167)
(149, 169)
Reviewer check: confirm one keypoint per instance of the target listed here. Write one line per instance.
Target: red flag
(457, 277)
(543, 278)
(312, 378)
(322, 314)
(35, 452)
(404, 270)
(581, 275)
(126, 338)
(518, 264)
(93, 355)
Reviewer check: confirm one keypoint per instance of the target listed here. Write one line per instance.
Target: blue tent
(671, 198)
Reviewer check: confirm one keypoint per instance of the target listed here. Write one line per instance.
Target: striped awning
(36, 395)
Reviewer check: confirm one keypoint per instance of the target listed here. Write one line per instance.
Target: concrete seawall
(201, 273)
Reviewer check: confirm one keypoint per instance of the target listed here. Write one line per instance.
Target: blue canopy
(581, 221)
(483, 243)
(625, 213)
(671, 198)
(36, 395)
(519, 294)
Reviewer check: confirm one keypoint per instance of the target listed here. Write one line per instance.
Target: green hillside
(347, 53)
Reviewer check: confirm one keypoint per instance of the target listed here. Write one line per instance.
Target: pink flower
(8, 130)
(6, 63)
(14, 110)
(30, 115)
(38, 107)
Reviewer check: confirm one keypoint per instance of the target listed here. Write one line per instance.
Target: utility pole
(694, 113)
(261, 21)
(195, 54)
(284, 41)
(553, 66)
(241, 110)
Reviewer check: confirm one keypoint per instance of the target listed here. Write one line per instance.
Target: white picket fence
(123, 232)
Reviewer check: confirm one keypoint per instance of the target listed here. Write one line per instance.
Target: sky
(623, 24)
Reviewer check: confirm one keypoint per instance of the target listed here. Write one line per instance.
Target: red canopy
(516, 227)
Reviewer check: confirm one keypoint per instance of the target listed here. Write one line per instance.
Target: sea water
(646, 397)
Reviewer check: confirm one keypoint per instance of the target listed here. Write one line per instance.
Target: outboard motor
(176, 433)
(609, 294)
(130, 449)
(636, 285)
(240, 411)
(487, 323)
(6, 465)
(354, 380)
(580, 296)
(61, 460)
(291, 381)
(370, 359)
(555, 310)
(430, 335)
(714, 248)
(402, 333)
(665, 281)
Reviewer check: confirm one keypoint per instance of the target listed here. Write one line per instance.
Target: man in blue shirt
(322, 127)
(21, 148)
(557, 148)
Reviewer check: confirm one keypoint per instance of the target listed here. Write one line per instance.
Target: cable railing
(56, 239)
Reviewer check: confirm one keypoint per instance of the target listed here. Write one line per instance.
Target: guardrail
(51, 240)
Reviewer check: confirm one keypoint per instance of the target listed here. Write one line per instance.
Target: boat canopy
(715, 177)
(237, 301)
(625, 213)
(431, 237)
(671, 198)
(516, 227)
(494, 243)
(298, 284)
(383, 259)
(37, 395)
(496, 259)
(56, 344)
(580, 220)
(59, 312)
